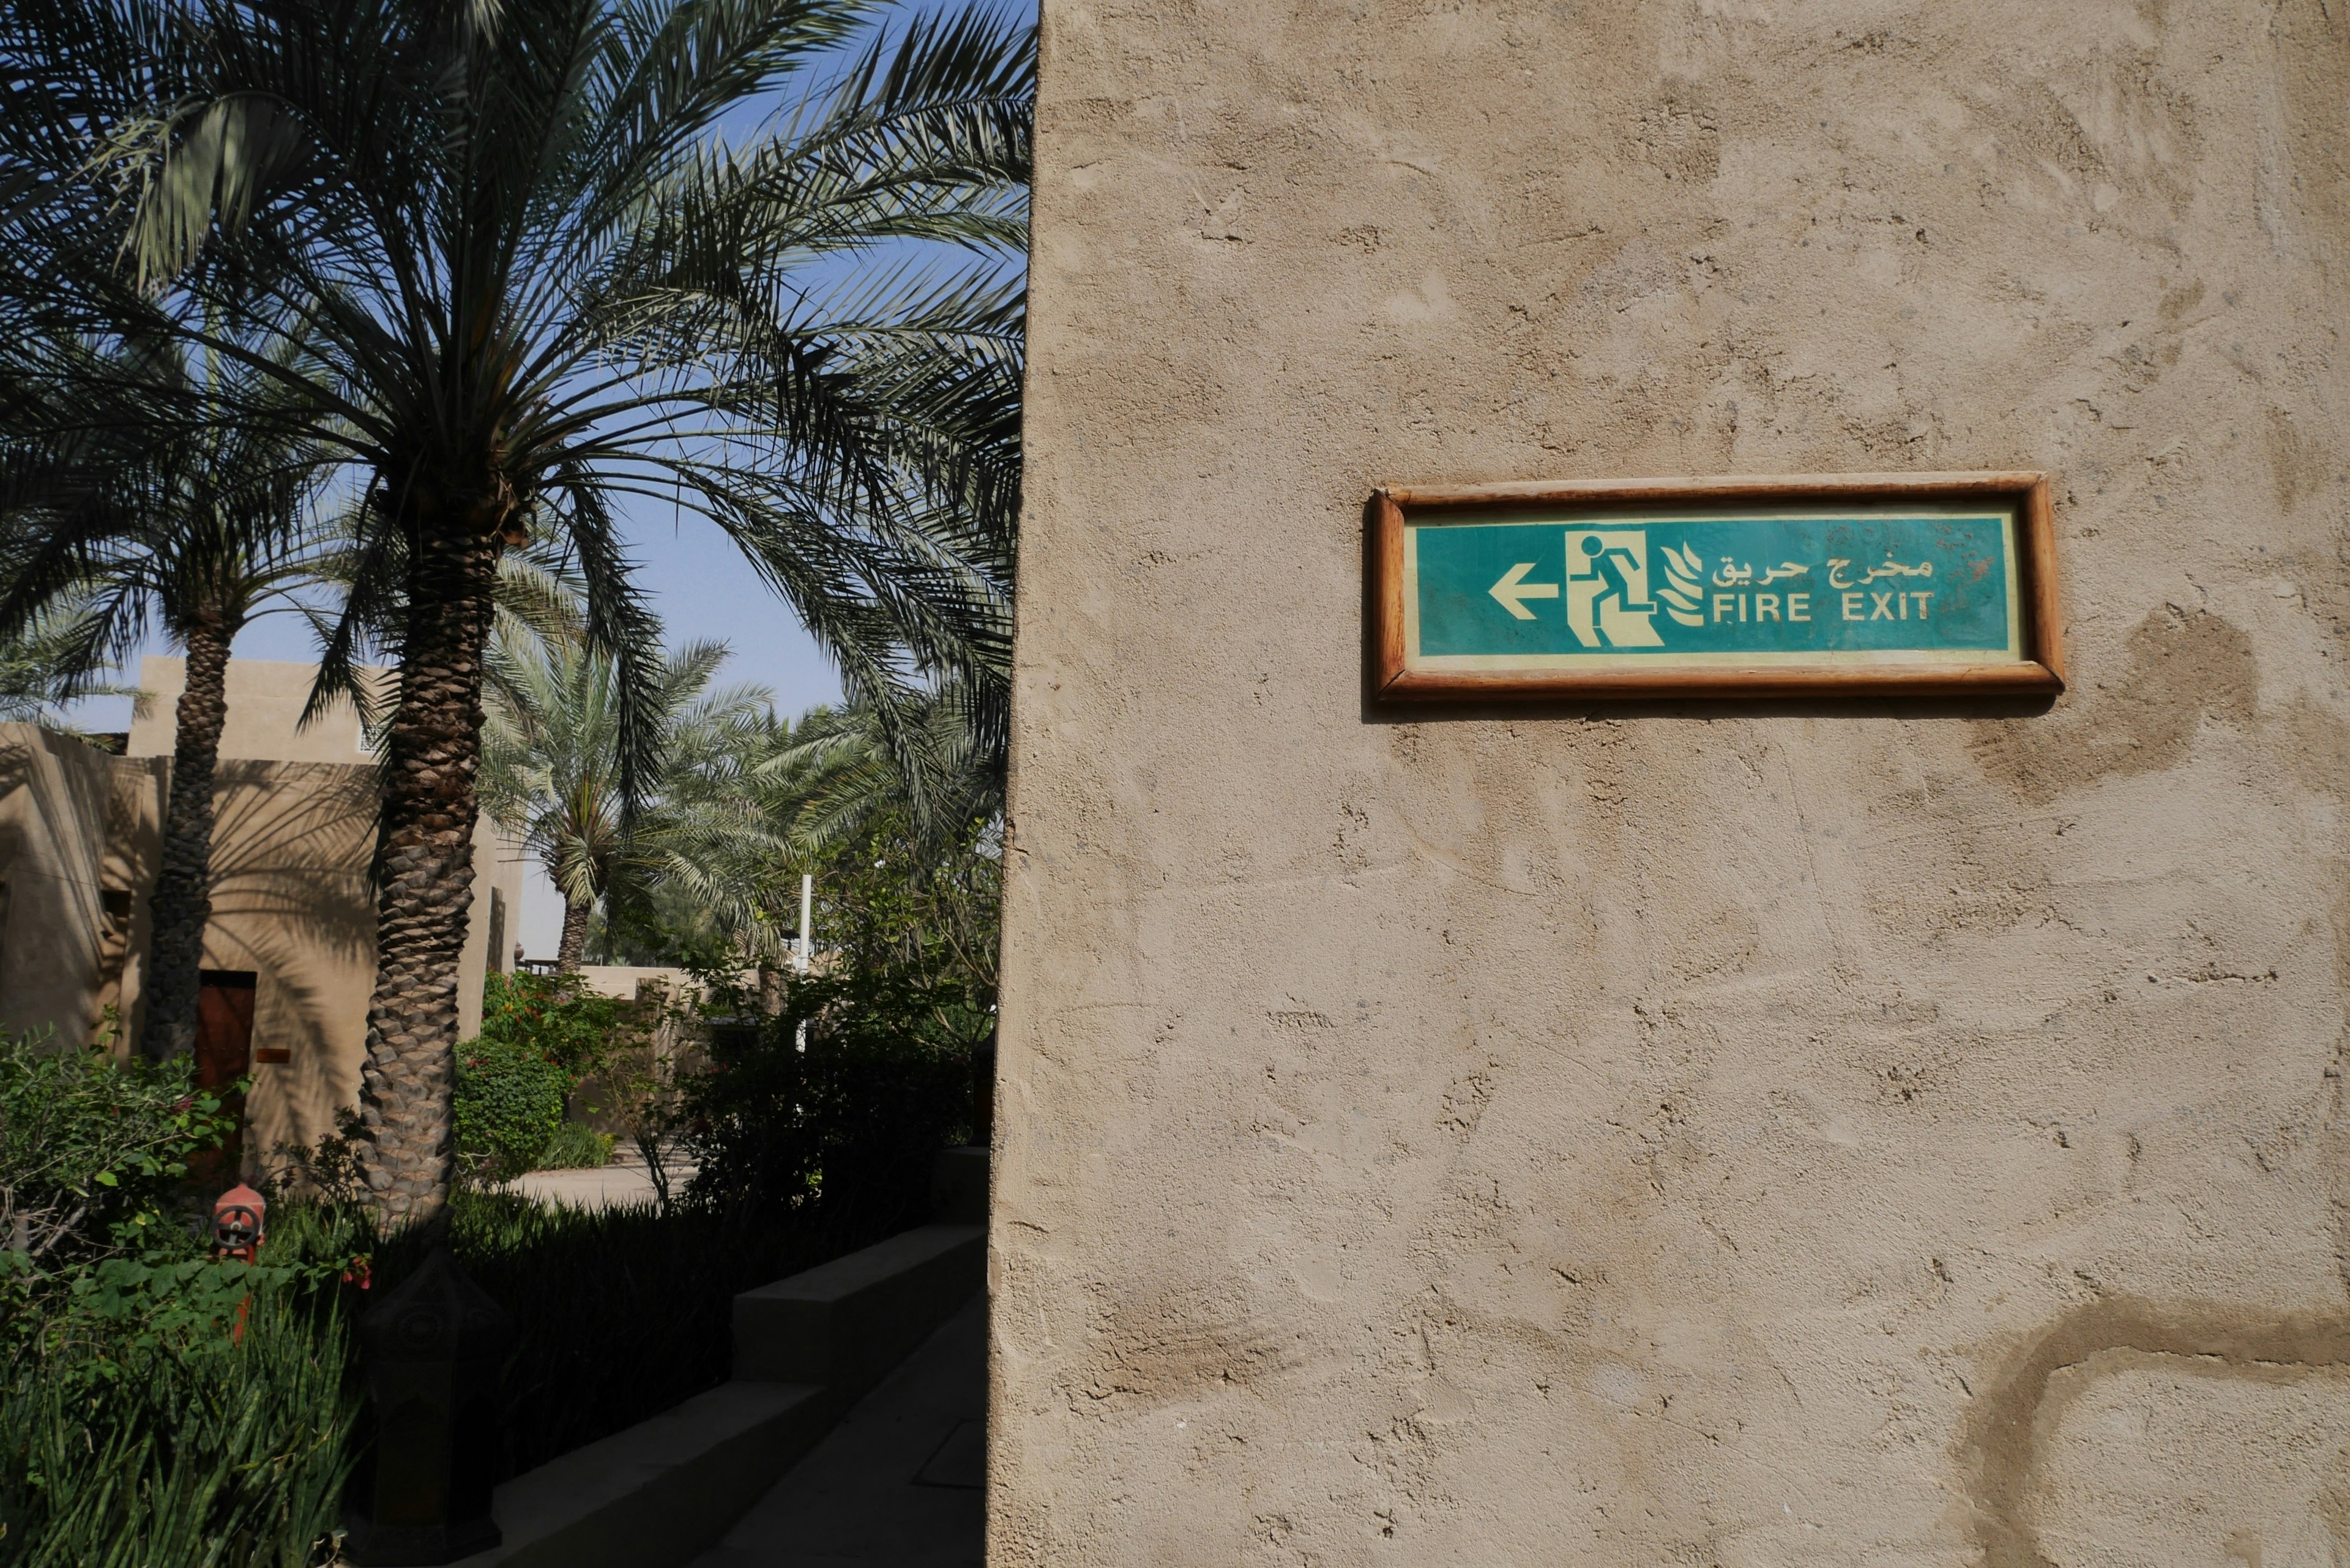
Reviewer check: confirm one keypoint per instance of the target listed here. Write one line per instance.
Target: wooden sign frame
(2040, 672)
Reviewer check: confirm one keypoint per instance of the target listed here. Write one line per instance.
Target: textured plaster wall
(1869, 1134)
(54, 797)
(291, 842)
(265, 699)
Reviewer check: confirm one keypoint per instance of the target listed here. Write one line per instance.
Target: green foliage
(184, 1411)
(532, 208)
(843, 1131)
(204, 526)
(508, 1106)
(227, 1445)
(160, 1408)
(92, 1149)
(918, 930)
(664, 925)
(837, 1105)
(828, 795)
(327, 1173)
(156, 1405)
(553, 1017)
(47, 664)
(576, 1146)
(552, 745)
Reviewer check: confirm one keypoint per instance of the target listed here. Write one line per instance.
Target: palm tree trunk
(182, 903)
(424, 872)
(573, 946)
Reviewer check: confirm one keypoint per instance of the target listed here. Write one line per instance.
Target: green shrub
(141, 1428)
(552, 1016)
(508, 1105)
(848, 1127)
(157, 1407)
(93, 1150)
(542, 1036)
(576, 1146)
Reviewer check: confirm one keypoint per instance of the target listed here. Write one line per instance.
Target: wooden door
(224, 1055)
(223, 1027)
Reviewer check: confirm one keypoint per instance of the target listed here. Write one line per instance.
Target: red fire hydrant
(236, 1223)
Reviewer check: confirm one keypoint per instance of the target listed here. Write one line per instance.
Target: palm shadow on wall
(291, 901)
(52, 923)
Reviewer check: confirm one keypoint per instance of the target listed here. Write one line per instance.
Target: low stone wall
(806, 1349)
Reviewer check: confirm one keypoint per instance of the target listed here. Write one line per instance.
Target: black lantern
(421, 1493)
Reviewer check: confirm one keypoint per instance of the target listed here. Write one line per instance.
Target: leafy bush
(156, 1407)
(159, 1408)
(576, 1146)
(553, 1017)
(541, 1037)
(890, 904)
(89, 1146)
(508, 1106)
(184, 1411)
(848, 1127)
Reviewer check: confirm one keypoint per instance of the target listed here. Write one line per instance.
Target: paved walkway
(898, 1484)
(600, 1188)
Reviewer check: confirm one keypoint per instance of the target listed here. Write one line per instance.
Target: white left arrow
(1513, 590)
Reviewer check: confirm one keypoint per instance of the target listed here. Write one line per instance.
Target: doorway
(224, 1055)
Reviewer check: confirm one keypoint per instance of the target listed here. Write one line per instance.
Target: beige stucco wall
(291, 903)
(624, 981)
(1880, 1133)
(55, 795)
(266, 698)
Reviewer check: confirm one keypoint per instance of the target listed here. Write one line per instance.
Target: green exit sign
(1931, 583)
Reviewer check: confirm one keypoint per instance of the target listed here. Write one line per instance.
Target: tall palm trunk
(573, 946)
(425, 873)
(182, 904)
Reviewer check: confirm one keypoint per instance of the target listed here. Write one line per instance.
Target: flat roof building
(289, 952)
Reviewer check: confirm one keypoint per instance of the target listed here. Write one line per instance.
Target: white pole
(808, 917)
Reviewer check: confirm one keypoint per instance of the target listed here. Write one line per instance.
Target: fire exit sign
(1933, 583)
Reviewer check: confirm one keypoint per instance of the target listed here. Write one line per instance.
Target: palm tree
(198, 536)
(44, 668)
(534, 283)
(551, 755)
(750, 815)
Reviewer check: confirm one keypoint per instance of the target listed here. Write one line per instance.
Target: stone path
(898, 1484)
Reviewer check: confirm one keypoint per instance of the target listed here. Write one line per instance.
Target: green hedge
(508, 1106)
